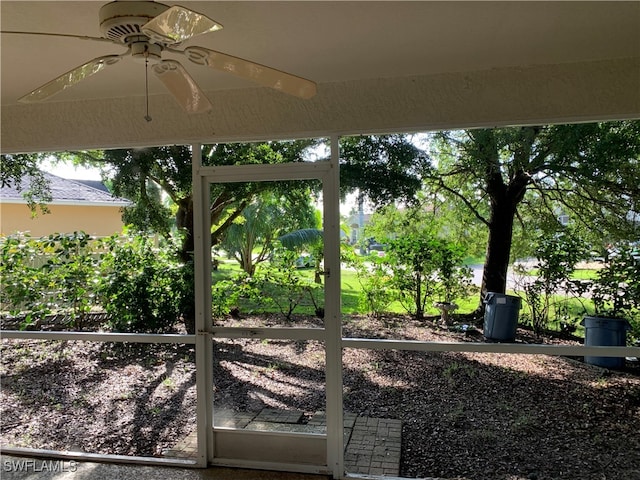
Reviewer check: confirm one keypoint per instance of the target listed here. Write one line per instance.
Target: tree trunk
(505, 197)
(504, 204)
(184, 221)
(496, 264)
(419, 311)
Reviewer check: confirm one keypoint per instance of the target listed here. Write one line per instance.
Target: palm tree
(251, 238)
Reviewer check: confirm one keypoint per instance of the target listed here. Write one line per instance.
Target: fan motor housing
(122, 19)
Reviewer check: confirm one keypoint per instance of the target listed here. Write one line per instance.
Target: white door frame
(203, 177)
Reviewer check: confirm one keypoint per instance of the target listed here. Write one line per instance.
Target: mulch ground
(465, 415)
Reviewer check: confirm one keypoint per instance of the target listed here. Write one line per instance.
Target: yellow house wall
(94, 220)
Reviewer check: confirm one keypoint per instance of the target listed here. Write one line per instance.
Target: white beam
(530, 349)
(258, 173)
(100, 336)
(333, 313)
(202, 279)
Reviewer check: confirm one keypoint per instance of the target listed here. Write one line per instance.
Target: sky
(69, 171)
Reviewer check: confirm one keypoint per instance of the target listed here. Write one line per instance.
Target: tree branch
(464, 200)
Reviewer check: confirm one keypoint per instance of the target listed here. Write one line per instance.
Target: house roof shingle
(65, 191)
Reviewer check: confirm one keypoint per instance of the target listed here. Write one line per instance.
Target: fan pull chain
(146, 86)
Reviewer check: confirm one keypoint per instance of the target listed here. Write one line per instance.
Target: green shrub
(142, 285)
(280, 283)
(228, 294)
(557, 257)
(374, 278)
(616, 290)
(24, 286)
(425, 268)
(72, 270)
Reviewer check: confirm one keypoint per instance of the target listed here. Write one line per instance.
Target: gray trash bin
(501, 316)
(605, 332)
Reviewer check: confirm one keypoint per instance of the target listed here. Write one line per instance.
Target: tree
(260, 224)
(590, 170)
(159, 181)
(413, 263)
(382, 168)
(22, 170)
(312, 239)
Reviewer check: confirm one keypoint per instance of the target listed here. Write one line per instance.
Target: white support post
(333, 314)
(202, 272)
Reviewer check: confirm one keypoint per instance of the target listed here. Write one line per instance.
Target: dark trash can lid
(501, 298)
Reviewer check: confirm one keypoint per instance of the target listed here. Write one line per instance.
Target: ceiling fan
(148, 29)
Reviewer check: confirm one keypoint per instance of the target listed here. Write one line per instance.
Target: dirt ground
(465, 415)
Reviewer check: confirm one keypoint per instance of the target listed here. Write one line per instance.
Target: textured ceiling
(379, 66)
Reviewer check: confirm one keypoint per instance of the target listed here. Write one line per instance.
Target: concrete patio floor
(24, 468)
(372, 447)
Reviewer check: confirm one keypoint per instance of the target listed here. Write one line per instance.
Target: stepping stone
(279, 416)
(285, 427)
(372, 445)
(319, 418)
(230, 418)
(237, 420)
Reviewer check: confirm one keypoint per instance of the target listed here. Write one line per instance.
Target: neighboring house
(76, 205)
(357, 221)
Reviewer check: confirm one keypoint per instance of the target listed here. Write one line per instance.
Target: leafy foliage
(55, 274)
(424, 267)
(139, 286)
(252, 237)
(151, 176)
(375, 281)
(557, 257)
(616, 290)
(589, 171)
(14, 169)
(453, 278)
(73, 269)
(228, 294)
(23, 280)
(383, 168)
(280, 283)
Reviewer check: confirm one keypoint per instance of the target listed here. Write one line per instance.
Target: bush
(374, 278)
(72, 269)
(23, 291)
(557, 257)
(57, 274)
(227, 294)
(616, 290)
(423, 268)
(142, 284)
(280, 283)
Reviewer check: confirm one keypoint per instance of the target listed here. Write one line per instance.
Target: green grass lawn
(584, 274)
(578, 274)
(570, 309)
(351, 292)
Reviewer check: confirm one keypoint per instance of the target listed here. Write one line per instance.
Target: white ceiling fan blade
(178, 24)
(66, 35)
(70, 78)
(182, 86)
(270, 77)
